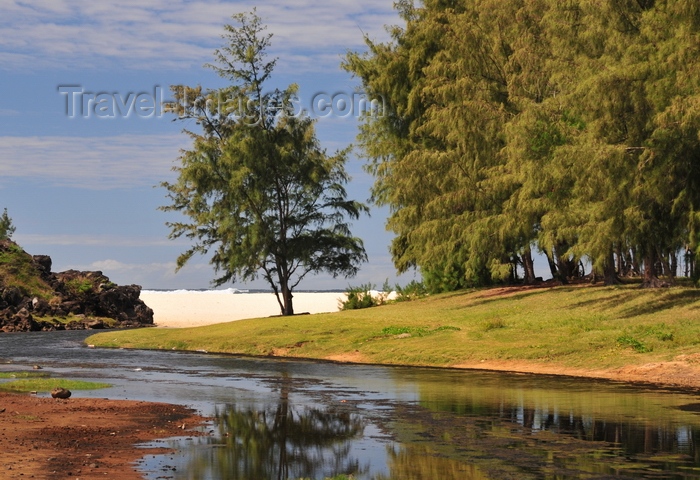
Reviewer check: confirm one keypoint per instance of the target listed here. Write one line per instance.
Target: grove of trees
(567, 127)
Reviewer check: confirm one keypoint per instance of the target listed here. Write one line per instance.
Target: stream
(283, 419)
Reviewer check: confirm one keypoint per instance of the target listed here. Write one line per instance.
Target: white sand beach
(186, 308)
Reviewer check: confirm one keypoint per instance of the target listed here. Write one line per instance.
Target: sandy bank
(84, 438)
(191, 308)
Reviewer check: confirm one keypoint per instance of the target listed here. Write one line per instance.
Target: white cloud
(169, 34)
(149, 275)
(198, 274)
(91, 162)
(95, 240)
(152, 275)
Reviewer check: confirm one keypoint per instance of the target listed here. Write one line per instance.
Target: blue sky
(83, 189)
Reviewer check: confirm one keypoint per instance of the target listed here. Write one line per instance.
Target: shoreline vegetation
(622, 333)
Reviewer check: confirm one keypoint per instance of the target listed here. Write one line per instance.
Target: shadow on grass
(615, 300)
(510, 296)
(668, 301)
(609, 302)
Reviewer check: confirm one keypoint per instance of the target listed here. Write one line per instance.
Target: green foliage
(412, 291)
(81, 286)
(260, 194)
(397, 330)
(443, 280)
(6, 227)
(567, 127)
(636, 345)
(360, 297)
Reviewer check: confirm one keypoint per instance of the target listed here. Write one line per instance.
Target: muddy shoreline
(86, 438)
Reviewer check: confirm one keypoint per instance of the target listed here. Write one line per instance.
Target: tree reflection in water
(516, 442)
(279, 442)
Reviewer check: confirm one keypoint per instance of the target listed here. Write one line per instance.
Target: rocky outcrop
(33, 298)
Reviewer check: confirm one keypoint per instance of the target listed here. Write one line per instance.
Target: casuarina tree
(260, 194)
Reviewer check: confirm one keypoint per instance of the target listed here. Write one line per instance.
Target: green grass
(23, 375)
(338, 477)
(79, 286)
(48, 384)
(17, 269)
(109, 322)
(584, 326)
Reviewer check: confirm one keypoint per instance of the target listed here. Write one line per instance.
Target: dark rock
(75, 325)
(12, 296)
(43, 262)
(82, 294)
(122, 303)
(22, 321)
(72, 306)
(60, 392)
(40, 306)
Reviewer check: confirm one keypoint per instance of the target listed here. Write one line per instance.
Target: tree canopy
(261, 195)
(6, 226)
(568, 127)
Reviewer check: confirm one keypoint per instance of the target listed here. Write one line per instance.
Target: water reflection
(286, 419)
(422, 462)
(510, 427)
(278, 441)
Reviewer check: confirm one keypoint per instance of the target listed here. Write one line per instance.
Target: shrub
(79, 285)
(411, 291)
(360, 297)
(628, 341)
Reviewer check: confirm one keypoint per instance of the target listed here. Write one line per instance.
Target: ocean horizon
(230, 290)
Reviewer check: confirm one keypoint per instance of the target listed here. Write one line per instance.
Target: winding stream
(277, 419)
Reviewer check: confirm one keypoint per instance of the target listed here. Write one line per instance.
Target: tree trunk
(552, 265)
(692, 261)
(514, 262)
(633, 261)
(667, 269)
(651, 280)
(620, 262)
(288, 308)
(609, 274)
(528, 267)
(283, 292)
(674, 264)
(562, 263)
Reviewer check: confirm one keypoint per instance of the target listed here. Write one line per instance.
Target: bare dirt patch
(348, 357)
(81, 437)
(683, 371)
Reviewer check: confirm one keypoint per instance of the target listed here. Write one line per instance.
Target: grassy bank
(29, 384)
(588, 327)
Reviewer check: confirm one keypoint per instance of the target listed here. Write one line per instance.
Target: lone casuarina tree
(260, 194)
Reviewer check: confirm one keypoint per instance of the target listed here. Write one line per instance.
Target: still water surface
(276, 419)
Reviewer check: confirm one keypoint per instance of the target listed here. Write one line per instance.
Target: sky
(84, 144)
